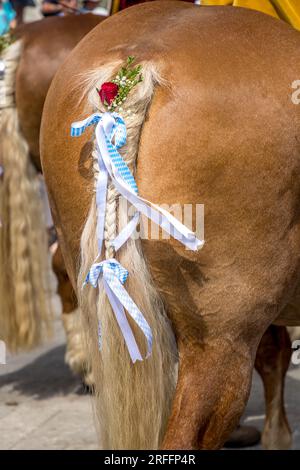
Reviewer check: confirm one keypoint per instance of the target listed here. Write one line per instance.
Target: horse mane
(132, 401)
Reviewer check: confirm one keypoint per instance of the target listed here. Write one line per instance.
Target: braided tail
(25, 309)
(132, 401)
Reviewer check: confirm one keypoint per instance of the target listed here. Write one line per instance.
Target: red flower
(108, 92)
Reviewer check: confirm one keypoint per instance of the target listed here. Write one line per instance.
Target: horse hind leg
(76, 354)
(211, 394)
(218, 322)
(213, 387)
(217, 346)
(272, 362)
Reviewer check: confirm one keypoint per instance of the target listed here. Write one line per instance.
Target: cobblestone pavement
(43, 406)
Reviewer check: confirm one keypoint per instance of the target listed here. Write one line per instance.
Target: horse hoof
(243, 436)
(84, 389)
(277, 437)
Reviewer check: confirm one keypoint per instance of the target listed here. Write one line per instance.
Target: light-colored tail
(132, 400)
(76, 354)
(24, 259)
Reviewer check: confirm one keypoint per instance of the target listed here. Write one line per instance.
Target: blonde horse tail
(25, 310)
(132, 401)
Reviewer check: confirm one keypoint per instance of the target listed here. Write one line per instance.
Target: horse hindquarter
(216, 133)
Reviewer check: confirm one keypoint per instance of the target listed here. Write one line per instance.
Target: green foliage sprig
(5, 41)
(126, 79)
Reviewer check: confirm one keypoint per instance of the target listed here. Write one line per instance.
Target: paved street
(42, 406)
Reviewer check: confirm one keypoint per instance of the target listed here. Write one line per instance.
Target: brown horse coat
(46, 45)
(223, 133)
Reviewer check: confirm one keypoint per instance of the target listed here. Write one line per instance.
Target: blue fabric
(7, 14)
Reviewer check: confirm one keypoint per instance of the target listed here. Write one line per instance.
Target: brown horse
(220, 130)
(45, 45)
(30, 66)
(32, 90)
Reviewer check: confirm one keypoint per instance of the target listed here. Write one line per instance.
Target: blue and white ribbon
(110, 136)
(110, 161)
(110, 126)
(113, 276)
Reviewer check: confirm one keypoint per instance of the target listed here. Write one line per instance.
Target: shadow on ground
(44, 377)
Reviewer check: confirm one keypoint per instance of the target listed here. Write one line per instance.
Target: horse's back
(192, 38)
(45, 45)
(223, 124)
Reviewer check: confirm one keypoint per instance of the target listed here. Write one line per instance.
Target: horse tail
(132, 401)
(25, 266)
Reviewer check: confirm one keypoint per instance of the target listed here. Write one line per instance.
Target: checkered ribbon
(111, 164)
(113, 276)
(110, 136)
(110, 127)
